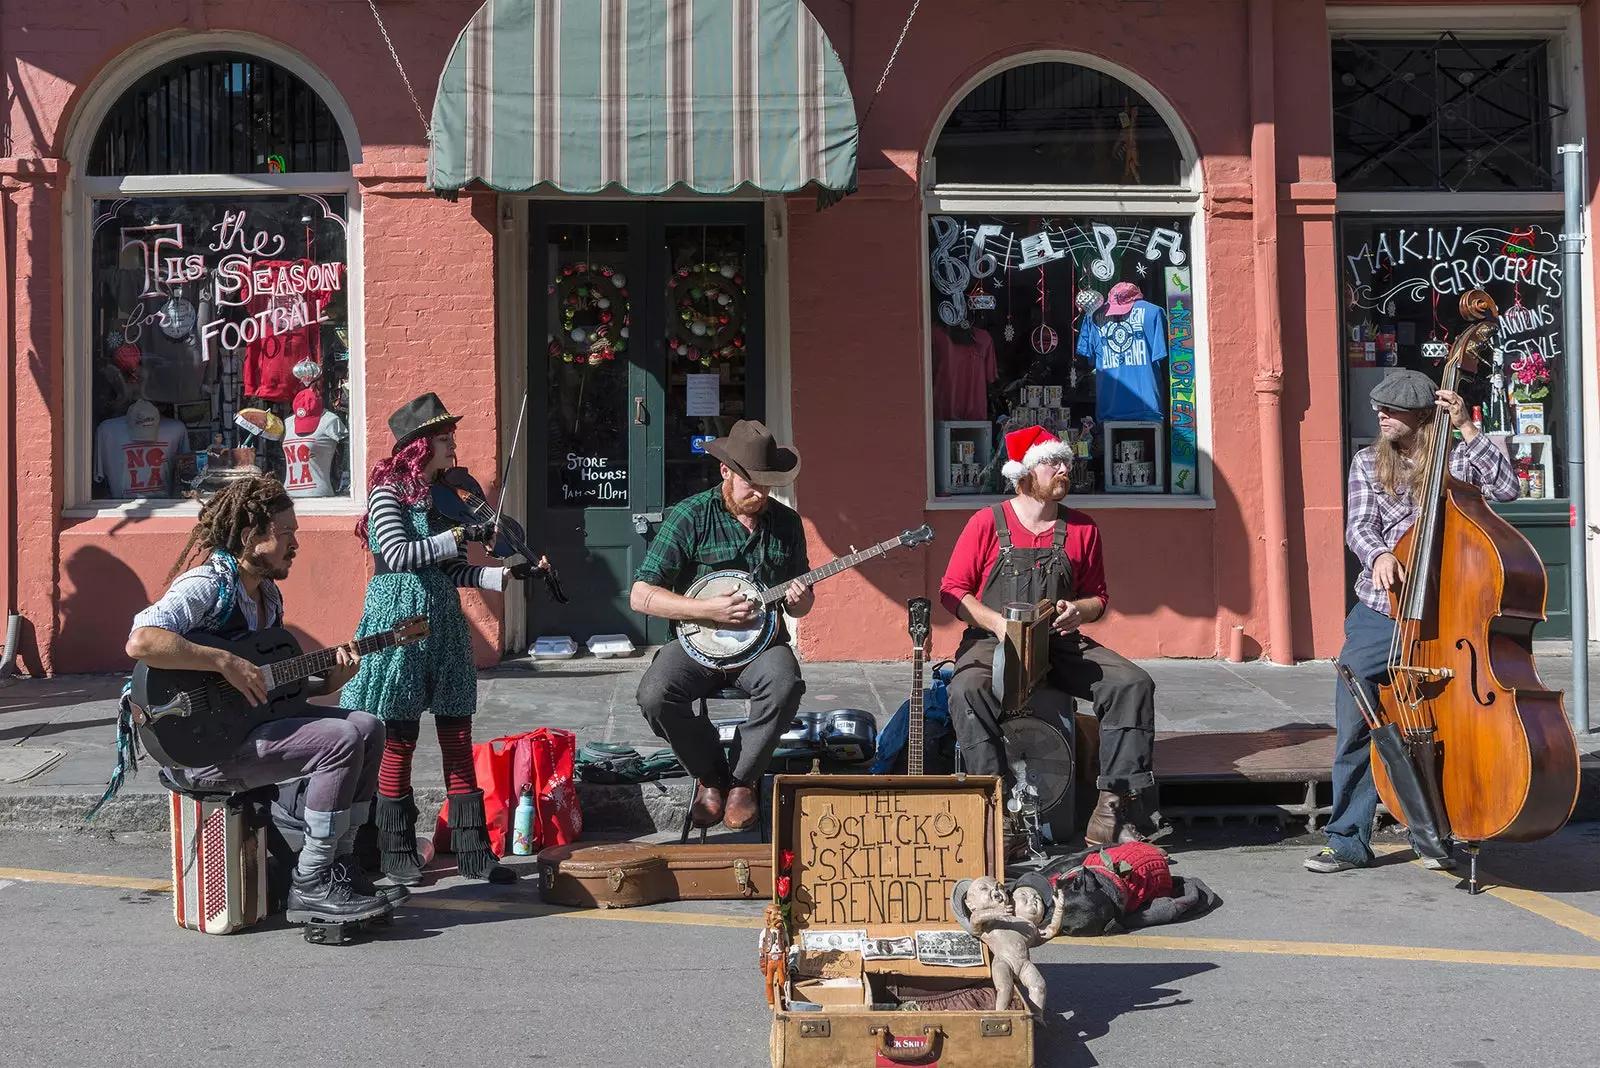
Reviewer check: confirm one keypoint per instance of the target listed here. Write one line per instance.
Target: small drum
(1039, 755)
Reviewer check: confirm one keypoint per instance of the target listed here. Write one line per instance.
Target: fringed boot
(469, 840)
(397, 839)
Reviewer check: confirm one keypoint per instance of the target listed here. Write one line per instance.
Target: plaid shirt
(1377, 520)
(699, 536)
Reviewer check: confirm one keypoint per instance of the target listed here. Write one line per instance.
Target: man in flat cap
(1386, 482)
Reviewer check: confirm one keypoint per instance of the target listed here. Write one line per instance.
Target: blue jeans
(1367, 635)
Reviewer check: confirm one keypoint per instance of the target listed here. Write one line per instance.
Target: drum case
(623, 875)
(882, 854)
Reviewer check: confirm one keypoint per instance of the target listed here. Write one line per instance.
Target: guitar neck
(914, 721)
(307, 664)
(831, 568)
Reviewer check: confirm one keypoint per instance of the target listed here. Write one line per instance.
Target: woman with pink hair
(419, 563)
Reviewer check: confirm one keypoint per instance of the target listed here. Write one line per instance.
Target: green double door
(646, 328)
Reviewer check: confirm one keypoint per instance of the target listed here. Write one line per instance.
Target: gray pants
(338, 750)
(675, 681)
(1122, 692)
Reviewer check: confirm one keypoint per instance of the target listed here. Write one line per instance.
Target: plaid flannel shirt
(698, 536)
(1377, 520)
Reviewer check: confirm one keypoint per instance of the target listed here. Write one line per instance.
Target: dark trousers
(1355, 797)
(675, 680)
(1122, 693)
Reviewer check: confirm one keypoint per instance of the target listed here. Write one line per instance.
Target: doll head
(1028, 904)
(985, 893)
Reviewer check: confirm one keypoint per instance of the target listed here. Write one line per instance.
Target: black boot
(397, 839)
(328, 896)
(361, 884)
(469, 840)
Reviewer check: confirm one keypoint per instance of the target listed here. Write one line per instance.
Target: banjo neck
(830, 569)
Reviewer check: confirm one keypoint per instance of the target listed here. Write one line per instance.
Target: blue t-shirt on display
(1124, 351)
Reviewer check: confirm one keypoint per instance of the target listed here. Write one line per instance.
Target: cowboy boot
(397, 839)
(706, 811)
(742, 809)
(1144, 818)
(1109, 824)
(469, 839)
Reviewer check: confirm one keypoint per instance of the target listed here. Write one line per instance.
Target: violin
(458, 497)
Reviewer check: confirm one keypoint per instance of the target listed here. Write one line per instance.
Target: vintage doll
(1010, 931)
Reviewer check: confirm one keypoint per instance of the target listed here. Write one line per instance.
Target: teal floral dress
(420, 569)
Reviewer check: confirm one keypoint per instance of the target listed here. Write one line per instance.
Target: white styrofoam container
(553, 647)
(608, 645)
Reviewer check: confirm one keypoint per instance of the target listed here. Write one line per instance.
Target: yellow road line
(117, 882)
(522, 908)
(1352, 950)
(1559, 912)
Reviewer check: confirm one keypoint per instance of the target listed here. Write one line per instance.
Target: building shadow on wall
(97, 614)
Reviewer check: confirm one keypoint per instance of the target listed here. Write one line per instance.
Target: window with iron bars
(1443, 114)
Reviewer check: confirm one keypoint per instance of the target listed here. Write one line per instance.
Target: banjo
(723, 648)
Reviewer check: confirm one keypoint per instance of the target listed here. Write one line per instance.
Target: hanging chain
(892, 57)
(427, 130)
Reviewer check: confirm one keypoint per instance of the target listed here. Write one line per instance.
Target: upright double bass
(1484, 749)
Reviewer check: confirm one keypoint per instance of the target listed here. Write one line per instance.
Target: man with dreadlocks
(1386, 480)
(246, 534)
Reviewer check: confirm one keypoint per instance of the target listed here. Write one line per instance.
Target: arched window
(1062, 278)
(215, 282)
(1056, 124)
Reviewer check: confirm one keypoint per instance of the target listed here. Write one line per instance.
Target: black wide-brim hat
(422, 415)
(753, 454)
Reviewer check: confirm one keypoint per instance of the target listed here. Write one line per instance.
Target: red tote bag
(502, 766)
(555, 793)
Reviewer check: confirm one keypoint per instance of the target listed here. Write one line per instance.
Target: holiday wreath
(709, 298)
(593, 302)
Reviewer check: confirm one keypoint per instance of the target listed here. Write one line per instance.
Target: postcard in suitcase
(864, 962)
(219, 865)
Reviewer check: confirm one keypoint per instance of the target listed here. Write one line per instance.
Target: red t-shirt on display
(979, 547)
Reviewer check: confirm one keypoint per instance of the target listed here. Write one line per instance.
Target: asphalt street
(1392, 966)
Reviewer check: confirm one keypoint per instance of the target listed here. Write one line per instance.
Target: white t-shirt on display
(308, 458)
(138, 468)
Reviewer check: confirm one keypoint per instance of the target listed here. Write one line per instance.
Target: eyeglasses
(1384, 409)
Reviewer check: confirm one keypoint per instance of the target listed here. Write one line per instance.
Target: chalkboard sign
(585, 480)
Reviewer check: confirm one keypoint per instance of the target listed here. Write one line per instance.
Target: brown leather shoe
(1109, 824)
(707, 808)
(743, 809)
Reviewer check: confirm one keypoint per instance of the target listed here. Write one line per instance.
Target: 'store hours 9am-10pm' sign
(885, 856)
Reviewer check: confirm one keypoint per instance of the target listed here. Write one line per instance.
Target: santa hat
(1029, 447)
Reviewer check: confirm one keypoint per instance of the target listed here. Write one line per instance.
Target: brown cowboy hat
(754, 456)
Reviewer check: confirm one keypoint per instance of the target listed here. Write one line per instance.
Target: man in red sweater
(1026, 550)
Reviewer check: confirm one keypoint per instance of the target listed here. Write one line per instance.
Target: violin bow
(511, 458)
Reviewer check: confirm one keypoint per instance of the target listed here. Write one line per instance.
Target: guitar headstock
(921, 536)
(410, 631)
(919, 620)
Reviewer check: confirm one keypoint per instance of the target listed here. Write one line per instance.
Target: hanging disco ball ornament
(1045, 340)
(177, 318)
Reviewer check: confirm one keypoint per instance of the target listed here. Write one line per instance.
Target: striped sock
(455, 746)
(399, 745)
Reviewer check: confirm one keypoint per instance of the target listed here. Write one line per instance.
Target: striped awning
(646, 95)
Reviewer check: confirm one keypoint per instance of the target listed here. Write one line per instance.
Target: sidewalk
(58, 737)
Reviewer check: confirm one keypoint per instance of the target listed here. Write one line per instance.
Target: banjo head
(719, 647)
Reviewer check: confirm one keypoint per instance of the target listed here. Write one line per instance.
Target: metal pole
(1572, 182)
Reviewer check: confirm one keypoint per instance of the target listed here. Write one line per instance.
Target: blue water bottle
(522, 830)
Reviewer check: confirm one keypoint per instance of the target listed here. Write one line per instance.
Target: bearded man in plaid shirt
(1386, 480)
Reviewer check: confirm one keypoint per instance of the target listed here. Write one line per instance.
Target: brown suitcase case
(621, 875)
(881, 853)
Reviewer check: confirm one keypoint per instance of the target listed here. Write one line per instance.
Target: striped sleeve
(400, 551)
(469, 576)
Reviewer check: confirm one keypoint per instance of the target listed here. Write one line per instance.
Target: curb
(631, 810)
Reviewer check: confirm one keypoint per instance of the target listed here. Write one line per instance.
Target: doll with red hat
(1032, 548)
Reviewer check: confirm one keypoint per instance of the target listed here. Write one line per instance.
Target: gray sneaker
(1326, 861)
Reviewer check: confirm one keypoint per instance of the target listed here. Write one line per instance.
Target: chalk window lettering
(1068, 322)
(204, 307)
(1402, 282)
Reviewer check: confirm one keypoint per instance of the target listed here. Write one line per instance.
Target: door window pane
(589, 312)
(707, 291)
(1402, 284)
(219, 344)
(1083, 325)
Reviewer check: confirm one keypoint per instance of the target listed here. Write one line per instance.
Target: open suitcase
(870, 861)
(621, 875)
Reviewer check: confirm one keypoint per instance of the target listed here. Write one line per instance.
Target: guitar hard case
(623, 875)
(882, 853)
(219, 865)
